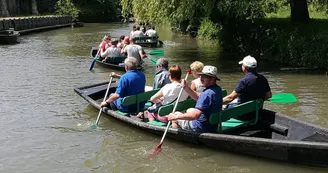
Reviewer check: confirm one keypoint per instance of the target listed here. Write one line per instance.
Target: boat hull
(93, 53)
(9, 38)
(275, 137)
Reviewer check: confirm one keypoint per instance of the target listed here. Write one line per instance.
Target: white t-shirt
(171, 92)
(197, 83)
(137, 33)
(151, 33)
(112, 52)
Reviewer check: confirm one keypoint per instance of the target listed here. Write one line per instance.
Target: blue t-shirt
(131, 83)
(251, 87)
(209, 102)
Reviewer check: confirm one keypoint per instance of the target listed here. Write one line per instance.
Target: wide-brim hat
(209, 71)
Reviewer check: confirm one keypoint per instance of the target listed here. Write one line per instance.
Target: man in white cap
(208, 102)
(251, 87)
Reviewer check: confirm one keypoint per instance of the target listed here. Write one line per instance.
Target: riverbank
(27, 25)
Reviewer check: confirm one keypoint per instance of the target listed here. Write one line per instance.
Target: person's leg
(185, 124)
(175, 124)
(151, 116)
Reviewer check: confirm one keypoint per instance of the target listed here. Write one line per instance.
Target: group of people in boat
(203, 89)
(111, 50)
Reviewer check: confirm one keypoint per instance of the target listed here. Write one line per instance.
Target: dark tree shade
(299, 10)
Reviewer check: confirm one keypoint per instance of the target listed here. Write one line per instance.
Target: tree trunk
(4, 10)
(34, 7)
(299, 10)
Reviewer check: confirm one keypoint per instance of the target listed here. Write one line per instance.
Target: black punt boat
(9, 36)
(275, 136)
(148, 42)
(93, 53)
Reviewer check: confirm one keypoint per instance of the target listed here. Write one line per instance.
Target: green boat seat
(184, 105)
(157, 123)
(116, 60)
(226, 118)
(138, 98)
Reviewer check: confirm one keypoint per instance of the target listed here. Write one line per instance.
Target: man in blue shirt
(131, 83)
(208, 102)
(251, 87)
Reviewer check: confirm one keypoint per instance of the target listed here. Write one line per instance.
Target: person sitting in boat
(208, 102)
(134, 50)
(251, 87)
(104, 45)
(134, 28)
(196, 67)
(162, 75)
(112, 52)
(138, 34)
(151, 32)
(167, 95)
(131, 83)
(120, 44)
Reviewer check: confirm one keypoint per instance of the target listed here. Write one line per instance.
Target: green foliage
(208, 29)
(66, 7)
(99, 10)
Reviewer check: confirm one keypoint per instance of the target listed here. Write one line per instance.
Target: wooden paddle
(99, 114)
(158, 147)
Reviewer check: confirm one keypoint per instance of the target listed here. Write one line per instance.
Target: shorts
(185, 125)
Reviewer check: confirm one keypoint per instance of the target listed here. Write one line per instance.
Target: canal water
(44, 124)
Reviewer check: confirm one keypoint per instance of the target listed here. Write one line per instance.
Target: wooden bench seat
(226, 119)
(136, 99)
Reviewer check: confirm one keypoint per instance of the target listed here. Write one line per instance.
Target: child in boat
(168, 94)
(196, 67)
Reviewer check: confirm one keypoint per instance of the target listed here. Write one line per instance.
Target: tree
(299, 10)
(4, 10)
(34, 7)
(66, 7)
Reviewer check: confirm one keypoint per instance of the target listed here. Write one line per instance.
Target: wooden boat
(275, 136)
(77, 24)
(9, 36)
(93, 53)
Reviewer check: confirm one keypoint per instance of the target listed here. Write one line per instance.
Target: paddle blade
(153, 61)
(158, 52)
(283, 98)
(156, 150)
(93, 126)
(92, 64)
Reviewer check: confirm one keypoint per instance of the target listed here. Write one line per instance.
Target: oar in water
(94, 60)
(159, 146)
(99, 114)
(283, 98)
(158, 52)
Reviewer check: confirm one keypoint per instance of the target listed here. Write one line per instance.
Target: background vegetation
(278, 31)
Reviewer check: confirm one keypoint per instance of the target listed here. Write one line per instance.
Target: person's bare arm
(230, 97)
(156, 98)
(112, 98)
(268, 95)
(193, 87)
(190, 115)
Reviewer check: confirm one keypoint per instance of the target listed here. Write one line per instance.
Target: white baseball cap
(209, 71)
(249, 61)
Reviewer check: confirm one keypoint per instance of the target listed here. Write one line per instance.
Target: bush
(66, 7)
(208, 29)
